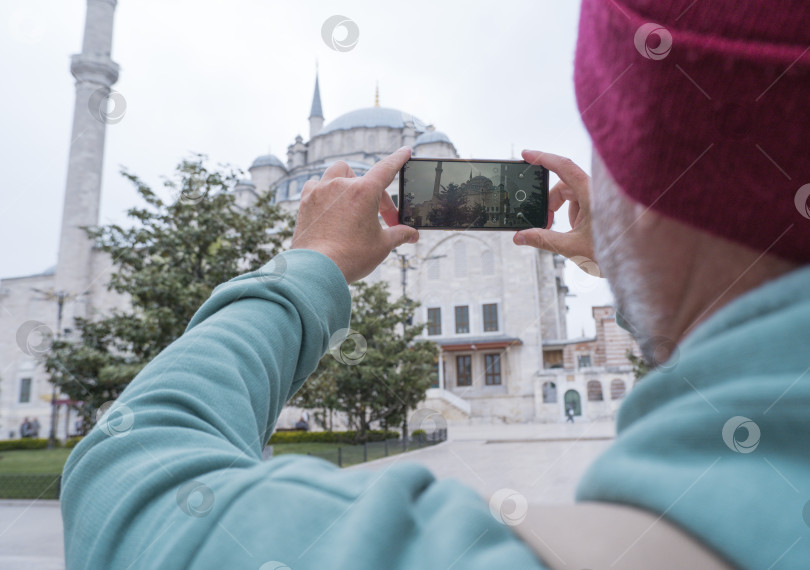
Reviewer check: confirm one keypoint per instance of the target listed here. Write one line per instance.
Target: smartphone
(461, 194)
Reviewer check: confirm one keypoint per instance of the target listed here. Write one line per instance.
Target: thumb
(549, 240)
(399, 234)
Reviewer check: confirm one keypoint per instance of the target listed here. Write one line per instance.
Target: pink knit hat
(701, 110)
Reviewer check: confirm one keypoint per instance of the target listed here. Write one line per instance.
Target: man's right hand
(573, 187)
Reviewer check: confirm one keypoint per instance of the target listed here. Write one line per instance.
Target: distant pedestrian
(303, 421)
(569, 414)
(25, 428)
(34, 430)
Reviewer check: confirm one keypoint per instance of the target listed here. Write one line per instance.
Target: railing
(345, 455)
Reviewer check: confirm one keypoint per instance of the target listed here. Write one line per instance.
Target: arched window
(433, 269)
(549, 393)
(488, 262)
(572, 401)
(617, 389)
(460, 258)
(595, 391)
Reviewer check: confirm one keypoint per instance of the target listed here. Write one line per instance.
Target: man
(25, 428)
(718, 296)
(34, 431)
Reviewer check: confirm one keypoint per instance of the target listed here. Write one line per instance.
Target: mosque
(497, 311)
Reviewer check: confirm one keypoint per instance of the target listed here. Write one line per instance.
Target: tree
(640, 365)
(377, 371)
(479, 215)
(167, 264)
(452, 210)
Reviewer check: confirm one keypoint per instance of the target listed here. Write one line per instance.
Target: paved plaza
(543, 462)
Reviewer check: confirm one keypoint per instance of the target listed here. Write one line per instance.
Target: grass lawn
(51, 461)
(31, 473)
(33, 461)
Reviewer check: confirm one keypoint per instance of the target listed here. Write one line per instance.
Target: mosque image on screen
(470, 195)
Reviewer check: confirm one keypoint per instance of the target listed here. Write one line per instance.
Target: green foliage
(418, 433)
(24, 443)
(166, 264)
(452, 209)
(329, 436)
(71, 442)
(392, 377)
(640, 365)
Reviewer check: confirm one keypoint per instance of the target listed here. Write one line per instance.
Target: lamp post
(61, 297)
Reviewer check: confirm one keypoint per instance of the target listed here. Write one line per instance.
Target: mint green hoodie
(744, 492)
(172, 475)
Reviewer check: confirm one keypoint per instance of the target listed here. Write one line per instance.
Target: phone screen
(458, 194)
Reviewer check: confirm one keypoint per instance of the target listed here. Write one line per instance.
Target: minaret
(316, 114)
(95, 73)
(437, 184)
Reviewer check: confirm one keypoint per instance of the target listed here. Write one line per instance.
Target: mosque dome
(267, 160)
(432, 137)
(371, 117)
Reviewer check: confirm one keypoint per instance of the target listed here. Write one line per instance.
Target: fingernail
(520, 239)
(406, 147)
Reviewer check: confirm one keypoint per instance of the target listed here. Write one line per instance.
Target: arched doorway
(572, 399)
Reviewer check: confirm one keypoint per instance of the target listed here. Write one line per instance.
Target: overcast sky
(235, 79)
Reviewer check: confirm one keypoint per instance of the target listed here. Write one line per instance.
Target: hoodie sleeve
(172, 475)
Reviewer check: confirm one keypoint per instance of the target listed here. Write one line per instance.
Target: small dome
(267, 160)
(432, 137)
(246, 182)
(373, 117)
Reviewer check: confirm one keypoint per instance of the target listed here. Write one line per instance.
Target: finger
(548, 240)
(550, 219)
(308, 186)
(400, 234)
(388, 211)
(338, 169)
(383, 173)
(570, 173)
(555, 196)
